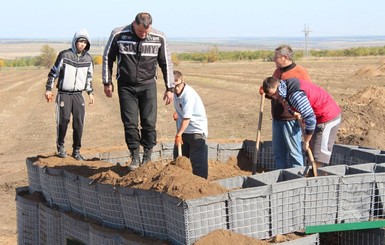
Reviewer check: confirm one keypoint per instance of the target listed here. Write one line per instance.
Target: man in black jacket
(139, 48)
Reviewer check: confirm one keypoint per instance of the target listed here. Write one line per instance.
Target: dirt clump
(362, 118)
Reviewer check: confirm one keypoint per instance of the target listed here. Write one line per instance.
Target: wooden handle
(256, 153)
(179, 150)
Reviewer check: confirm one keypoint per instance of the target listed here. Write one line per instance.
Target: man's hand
(108, 89)
(48, 96)
(178, 139)
(261, 92)
(297, 115)
(175, 116)
(168, 97)
(91, 97)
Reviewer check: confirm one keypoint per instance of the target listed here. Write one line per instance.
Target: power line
(306, 30)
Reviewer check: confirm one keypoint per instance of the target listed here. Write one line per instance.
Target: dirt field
(228, 90)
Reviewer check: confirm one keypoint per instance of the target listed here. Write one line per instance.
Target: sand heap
(363, 118)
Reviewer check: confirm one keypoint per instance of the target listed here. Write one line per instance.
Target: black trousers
(195, 148)
(138, 103)
(67, 104)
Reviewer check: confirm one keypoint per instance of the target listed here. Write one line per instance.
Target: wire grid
(98, 236)
(187, 221)
(50, 231)
(362, 237)
(287, 206)
(74, 228)
(110, 206)
(249, 211)
(72, 186)
(130, 209)
(152, 213)
(265, 157)
(340, 154)
(27, 217)
(355, 198)
(33, 176)
(362, 155)
(379, 192)
(225, 151)
(45, 185)
(313, 239)
(321, 200)
(57, 188)
(90, 197)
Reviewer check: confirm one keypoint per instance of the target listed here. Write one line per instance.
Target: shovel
(309, 152)
(256, 153)
(179, 150)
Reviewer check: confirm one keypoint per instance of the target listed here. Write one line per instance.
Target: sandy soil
(229, 91)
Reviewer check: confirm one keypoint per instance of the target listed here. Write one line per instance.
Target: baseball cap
(81, 39)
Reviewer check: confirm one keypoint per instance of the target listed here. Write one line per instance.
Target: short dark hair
(178, 75)
(143, 18)
(269, 83)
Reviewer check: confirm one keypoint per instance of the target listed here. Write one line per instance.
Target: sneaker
(146, 156)
(61, 152)
(77, 156)
(135, 160)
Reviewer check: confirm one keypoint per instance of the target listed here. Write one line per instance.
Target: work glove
(175, 116)
(261, 92)
(178, 139)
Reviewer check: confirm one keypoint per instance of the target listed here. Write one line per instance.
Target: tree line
(48, 55)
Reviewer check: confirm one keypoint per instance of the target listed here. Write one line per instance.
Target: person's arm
(166, 66)
(109, 57)
(301, 103)
(52, 75)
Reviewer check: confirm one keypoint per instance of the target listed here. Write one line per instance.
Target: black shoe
(135, 160)
(77, 156)
(61, 152)
(146, 156)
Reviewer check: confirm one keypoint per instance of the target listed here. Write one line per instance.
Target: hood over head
(81, 34)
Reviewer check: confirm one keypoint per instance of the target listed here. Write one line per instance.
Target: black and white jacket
(137, 58)
(74, 71)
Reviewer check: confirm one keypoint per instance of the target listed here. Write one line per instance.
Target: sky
(196, 18)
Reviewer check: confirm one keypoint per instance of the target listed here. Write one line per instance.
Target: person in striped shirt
(316, 107)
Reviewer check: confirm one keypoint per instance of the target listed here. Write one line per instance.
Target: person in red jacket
(321, 114)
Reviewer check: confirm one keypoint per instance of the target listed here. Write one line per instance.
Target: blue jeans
(287, 145)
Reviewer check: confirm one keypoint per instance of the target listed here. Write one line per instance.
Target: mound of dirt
(174, 178)
(362, 118)
(372, 71)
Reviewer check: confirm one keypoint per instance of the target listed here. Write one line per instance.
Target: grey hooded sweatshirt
(74, 70)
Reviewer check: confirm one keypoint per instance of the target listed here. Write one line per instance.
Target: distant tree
(98, 60)
(175, 59)
(47, 57)
(212, 54)
(2, 63)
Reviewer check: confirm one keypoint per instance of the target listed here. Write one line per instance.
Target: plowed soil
(230, 94)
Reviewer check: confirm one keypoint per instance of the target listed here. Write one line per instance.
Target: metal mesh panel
(57, 188)
(33, 175)
(27, 218)
(101, 236)
(130, 209)
(90, 198)
(152, 213)
(110, 206)
(50, 230)
(187, 221)
(74, 228)
(72, 186)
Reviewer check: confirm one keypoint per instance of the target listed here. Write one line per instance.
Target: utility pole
(306, 30)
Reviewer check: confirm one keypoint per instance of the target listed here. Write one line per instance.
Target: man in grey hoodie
(73, 69)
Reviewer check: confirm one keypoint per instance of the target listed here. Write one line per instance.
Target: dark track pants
(195, 148)
(67, 104)
(138, 102)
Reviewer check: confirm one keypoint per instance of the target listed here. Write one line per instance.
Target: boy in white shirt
(191, 126)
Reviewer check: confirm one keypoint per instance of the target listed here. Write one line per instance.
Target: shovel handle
(179, 150)
(309, 152)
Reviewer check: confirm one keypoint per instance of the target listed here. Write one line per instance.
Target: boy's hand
(48, 96)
